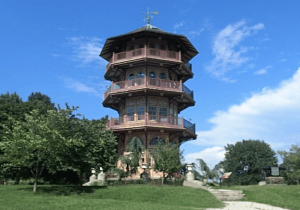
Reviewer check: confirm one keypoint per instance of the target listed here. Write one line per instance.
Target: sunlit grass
(285, 196)
(121, 197)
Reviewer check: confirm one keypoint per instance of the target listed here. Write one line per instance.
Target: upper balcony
(154, 86)
(138, 56)
(152, 121)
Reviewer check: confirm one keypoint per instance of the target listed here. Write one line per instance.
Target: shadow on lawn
(64, 190)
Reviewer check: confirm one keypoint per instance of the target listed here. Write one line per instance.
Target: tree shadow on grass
(64, 190)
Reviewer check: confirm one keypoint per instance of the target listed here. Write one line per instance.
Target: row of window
(151, 45)
(151, 75)
(163, 111)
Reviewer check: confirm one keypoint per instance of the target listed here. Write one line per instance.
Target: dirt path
(246, 205)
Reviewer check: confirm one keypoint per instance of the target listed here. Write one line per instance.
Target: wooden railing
(144, 52)
(159, 84)
(150, 120)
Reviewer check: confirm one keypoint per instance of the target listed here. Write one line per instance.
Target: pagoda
(147, 69)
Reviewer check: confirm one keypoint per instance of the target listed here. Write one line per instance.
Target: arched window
(131, 47)
(152, 45)
(131, 76)
(133, 143)
(152, 74)
(162, 76)
(155, 141)
(162, 47)
(141, 74)
(141, 45)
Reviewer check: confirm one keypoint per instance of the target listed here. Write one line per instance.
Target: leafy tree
(167, 158)
(27, 144)
(132, 160)
(291, 161)
(245, 160)
(58, 141)
(41, 102)
(87, 144)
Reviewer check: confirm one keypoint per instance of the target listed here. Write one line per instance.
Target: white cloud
(91, 87)
(268, 115)
(178, 25)
(283, 60)
(227, 50)
(211, 156)
(86, 50)
(262, 71)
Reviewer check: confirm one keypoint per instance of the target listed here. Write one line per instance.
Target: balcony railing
(159, 84)
(144, 52)
(189, 65)
(188, 91)
(189, 125)
(150, 120)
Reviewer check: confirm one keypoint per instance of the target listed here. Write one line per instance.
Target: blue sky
(246, 76)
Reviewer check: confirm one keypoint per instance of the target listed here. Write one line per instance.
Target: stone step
(226, 192)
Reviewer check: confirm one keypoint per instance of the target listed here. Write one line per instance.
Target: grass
(122, 197)
(274, 195)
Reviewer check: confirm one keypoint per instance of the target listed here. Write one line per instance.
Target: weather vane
(148, 16)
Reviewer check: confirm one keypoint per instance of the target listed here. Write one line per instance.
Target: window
(162, 47)
(141, 45)
(152, 78)
(131, 47)
(143, 158)
(152, 45)
(140, 76)
(163, 113)
(152, 74)
(152, 113)
(162, 76)
(130, 114)
(141, 112)
(155, 141)
(131, 76)
(131, 80)
(149, 160)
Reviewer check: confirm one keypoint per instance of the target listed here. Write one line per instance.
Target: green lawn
(282, 196)
(119, 197)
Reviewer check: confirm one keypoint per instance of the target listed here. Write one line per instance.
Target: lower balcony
(153, 122)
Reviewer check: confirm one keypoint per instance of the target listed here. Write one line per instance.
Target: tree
(291, 161)
(58, 141)
(245, 160)
(27, 144)
(167, 158)
(132, 160)
(87, 144)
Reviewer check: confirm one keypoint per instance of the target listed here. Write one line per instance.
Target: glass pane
(131, 76)
(162, 76)
(141, 75)
(152, 75)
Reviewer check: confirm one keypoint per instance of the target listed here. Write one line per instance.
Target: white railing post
(179, 55)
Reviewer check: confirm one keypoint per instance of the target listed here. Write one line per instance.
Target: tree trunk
(35, 184)
(162, 181)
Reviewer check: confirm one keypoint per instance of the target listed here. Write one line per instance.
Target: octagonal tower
(147, 69)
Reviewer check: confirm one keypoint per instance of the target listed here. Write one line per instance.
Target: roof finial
(148, 16)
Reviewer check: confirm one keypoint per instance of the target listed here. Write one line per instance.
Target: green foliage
(167, 158)
(251, 155)
(132, 160)
(291, 161)
(58, 141)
